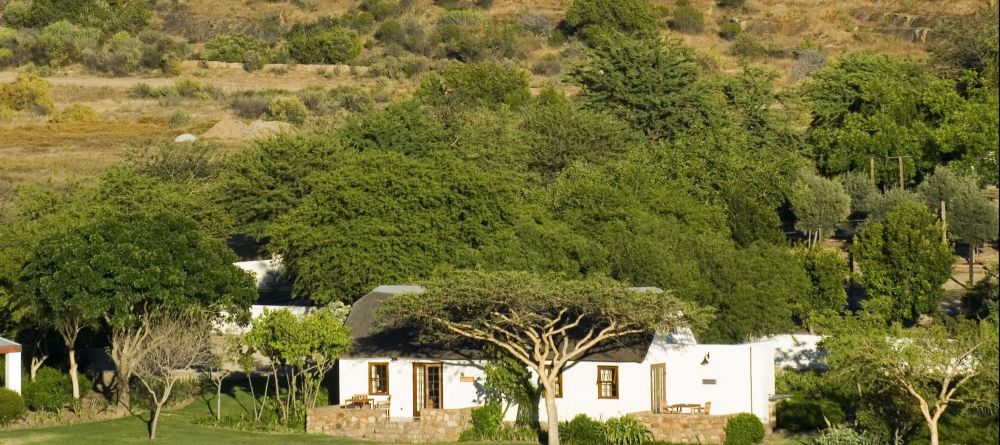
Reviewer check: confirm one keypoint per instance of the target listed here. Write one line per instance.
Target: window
(378, 378)
(707, 381)
(607, 382)
(559, 385)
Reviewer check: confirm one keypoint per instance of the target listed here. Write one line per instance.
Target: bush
(162, 51)
(234, 48)
(17, 14)
(744, 429)
(249, 105)
(808, 415)
(62, 43)
(625, 430)
(730, 30)
(582, 430)
(28, 92)
(11, 406)
(76, 113)
(748, 46)
(732, 3)
(808, 61)
(287, 108)
(486, 84)
(548, 66)
(407, 33)
(487, 423)
(535, 24)
(380, 9)
(121, 56)
(193, 89)
(51, 390)
(180, 118)
(687, 19)
(337, 45)
(633, 17)
(844, 436)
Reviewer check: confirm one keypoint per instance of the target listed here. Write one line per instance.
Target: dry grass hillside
(35, 150)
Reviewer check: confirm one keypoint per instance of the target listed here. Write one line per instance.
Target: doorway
(428, 387)
(658, 387)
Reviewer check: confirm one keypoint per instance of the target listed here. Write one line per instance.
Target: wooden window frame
(371, 387)
(615, 388)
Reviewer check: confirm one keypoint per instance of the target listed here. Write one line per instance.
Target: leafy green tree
(380, 217)
(509, 383)
(972, 218)
(302, 349)
(122, 267)
(652, 85)
(903, 263)
(827, 272)
(403, 127)
(267, 180)
(876, 106)
(819, 205)
(636, 18)
(527, 315)
(935, 367)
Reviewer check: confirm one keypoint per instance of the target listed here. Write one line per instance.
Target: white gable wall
(743, 374)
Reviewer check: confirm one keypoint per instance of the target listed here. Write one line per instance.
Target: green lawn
(176, 428)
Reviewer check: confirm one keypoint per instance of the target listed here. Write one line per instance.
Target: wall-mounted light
(704, 361)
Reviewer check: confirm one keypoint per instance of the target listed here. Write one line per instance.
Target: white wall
(797, 351)
(743, 374)
(12, 371)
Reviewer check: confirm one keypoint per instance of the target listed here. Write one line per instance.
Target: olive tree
(819, 205)
(542, 320)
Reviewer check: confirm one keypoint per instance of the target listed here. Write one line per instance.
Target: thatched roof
(370, 341)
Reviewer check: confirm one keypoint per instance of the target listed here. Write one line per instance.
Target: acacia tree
(936, 367)
(175, 346)
(542, 320)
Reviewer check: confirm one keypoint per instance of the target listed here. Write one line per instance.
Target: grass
(176, 428)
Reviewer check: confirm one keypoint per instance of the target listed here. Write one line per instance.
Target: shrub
(28, 92)
(337, 45)
(380, 9)
(487, 423)
(121, 56)
(687, 19)
(193, 89)
(808, 61)
(487, 84)
(748, 46)
(17, 14)
(744, 429)
(51, 390)
(844, 436)
(732, 3)
(180, 118)
(287, 108)
(730, 30)
(625, 430)
(548, 66)
(633, 17)
(535, 24)
(233, 48)
(76, 113)
(62, 43)
(581, 430)
(11, 406)
(249, 105)
(407, 33)
(162, 51)
(807, 415)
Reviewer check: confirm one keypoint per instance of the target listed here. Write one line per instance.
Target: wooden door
(658, 387)
(428, 387)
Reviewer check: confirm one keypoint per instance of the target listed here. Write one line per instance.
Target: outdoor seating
(359, 401)
(383, 406)
(702, 409)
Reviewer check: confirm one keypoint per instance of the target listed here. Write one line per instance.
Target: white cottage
(646, 374)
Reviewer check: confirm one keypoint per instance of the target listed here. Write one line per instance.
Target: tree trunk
(552, 418)
(218, 400)
(154, 419)
(932, 427)
(72, 373)
(972, 264)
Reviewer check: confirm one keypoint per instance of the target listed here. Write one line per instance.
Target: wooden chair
(383, 407)
(703, 409)
(359, 401)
